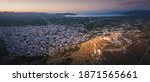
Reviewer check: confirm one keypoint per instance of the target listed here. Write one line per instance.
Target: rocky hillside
(131, 47)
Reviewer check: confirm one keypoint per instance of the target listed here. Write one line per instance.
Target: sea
(102, 15)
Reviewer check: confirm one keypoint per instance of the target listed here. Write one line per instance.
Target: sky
(73, 6)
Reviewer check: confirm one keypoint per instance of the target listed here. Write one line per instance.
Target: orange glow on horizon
(71, 5)
(43, 6)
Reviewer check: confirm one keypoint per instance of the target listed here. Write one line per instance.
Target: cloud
(136, 3)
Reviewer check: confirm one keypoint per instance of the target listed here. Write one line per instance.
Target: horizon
(73, 6)
(90, 13)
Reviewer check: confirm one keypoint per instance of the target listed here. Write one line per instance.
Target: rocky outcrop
(94, 49)
(116, 48)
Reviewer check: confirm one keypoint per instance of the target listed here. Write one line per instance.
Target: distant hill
(35, 13)
(131, 12)
(65, 14)
(137, 12)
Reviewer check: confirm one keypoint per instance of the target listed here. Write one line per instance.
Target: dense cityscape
(75, 40)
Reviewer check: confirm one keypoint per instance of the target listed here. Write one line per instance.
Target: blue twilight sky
(74, 6)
